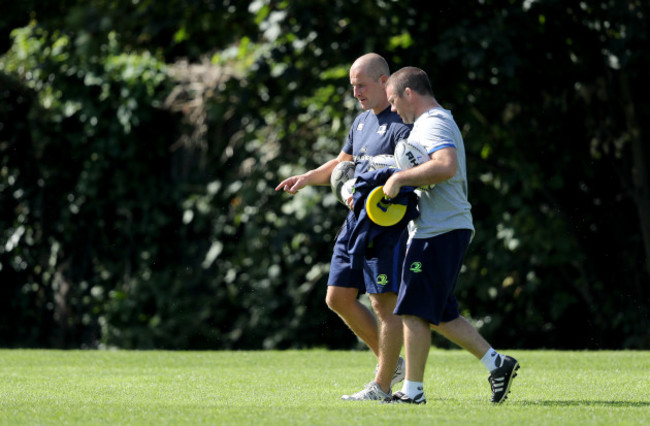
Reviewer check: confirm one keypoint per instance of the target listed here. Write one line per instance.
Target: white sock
(492, 360)
(412, 389)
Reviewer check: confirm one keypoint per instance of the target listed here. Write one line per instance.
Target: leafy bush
(137, 187)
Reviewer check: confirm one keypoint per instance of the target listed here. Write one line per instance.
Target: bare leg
(417, 342)
(390, 337)
(462, 333)
(361, 321)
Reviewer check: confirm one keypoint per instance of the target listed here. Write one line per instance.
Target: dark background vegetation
(141, 141)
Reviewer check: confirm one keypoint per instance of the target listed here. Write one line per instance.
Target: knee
(384, 305)
(338, 301)
(412, 322)
(331, 301)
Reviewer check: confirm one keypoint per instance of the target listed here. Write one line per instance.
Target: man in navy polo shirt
(374, 132)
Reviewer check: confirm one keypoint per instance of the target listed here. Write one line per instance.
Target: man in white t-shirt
(438, 240)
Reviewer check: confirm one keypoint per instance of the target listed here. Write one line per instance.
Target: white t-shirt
(445, 207)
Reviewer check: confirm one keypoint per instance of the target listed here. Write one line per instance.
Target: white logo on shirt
(360, 127)
(381, 130)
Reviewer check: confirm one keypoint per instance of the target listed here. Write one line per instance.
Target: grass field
(304, 387)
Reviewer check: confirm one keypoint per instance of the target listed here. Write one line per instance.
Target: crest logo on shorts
(416, 267)
(382, 279)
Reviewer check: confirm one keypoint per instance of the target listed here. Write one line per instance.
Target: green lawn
(304, 387)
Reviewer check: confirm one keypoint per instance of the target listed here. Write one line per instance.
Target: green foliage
(82, 229)
(141, 143)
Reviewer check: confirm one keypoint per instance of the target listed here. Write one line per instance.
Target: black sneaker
(401, 398)
(501, 379)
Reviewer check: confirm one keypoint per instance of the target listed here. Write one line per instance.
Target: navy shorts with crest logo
(430, 273)
(381, 272)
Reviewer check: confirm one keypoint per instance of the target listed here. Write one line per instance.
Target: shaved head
(372, 65)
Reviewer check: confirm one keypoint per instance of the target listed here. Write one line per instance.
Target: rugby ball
(342, 180)
(381, 162)
(410, 153)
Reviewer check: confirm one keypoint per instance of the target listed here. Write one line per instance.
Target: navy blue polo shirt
(372, 135)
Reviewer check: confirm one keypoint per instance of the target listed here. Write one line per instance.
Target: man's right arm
(318, 176)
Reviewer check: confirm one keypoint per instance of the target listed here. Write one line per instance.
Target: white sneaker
(371, 392)
(400, 372)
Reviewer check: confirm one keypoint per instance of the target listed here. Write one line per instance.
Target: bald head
(368, 75)
(372, 65)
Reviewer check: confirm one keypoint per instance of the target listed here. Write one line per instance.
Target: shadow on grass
(609, 404)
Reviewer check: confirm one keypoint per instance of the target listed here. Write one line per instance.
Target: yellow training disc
(381, 212)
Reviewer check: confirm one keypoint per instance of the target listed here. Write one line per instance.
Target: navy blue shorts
(381, 272)
(431, 269)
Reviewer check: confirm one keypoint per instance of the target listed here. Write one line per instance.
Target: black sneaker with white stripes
(501, 379)
(401, 398)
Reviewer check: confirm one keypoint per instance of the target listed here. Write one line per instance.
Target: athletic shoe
(400, 372)
(371, 392)
(401, 398)
(501, 379)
